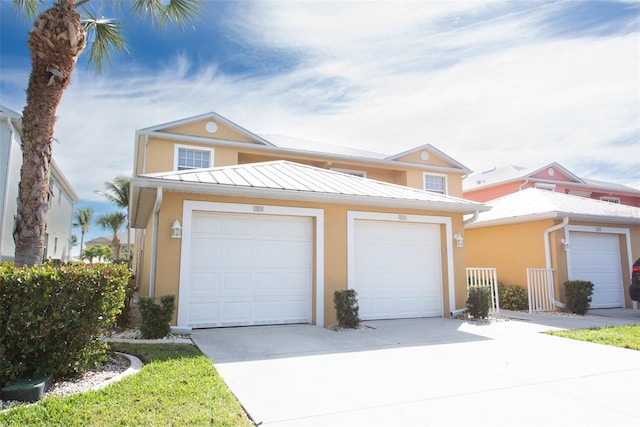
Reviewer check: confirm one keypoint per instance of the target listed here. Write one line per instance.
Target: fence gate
(539, 285)
(485, 277)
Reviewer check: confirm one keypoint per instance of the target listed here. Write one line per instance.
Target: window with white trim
(188, 157)
(610, 199)
(435, 183)
(354, 172)
(545, 186)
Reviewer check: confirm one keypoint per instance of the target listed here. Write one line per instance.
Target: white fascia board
(316, 154)
(210, 115)
(306, 196)
(64, 183)
(553, 215)
(433, 150)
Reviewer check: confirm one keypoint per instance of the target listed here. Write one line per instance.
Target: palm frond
(118, 191)
(28, 9)
(105, 36)
(178, 12)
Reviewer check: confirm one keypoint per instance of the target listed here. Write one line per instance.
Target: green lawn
(627, 336)
(177, 386)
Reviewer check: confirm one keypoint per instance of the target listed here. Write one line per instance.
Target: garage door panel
(249, 269)
(397, 269)
(596, 257)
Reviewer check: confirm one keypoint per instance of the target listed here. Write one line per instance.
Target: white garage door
(397, 269)
(249, 269)
(596, 257)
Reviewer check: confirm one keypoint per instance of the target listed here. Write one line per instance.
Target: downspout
(547, 255)
(475, 216)
(526, 181)
(3, 218)
(154, 243)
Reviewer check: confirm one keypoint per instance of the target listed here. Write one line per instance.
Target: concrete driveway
(423, 372)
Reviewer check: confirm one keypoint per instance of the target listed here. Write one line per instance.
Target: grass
(627, 336)
(177, 386)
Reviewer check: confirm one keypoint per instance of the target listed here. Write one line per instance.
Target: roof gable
(427, 154)
(534, 204)
(553, 172)
(208, 125)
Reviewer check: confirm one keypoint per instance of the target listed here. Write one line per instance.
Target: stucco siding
(335, 248)
(511, 249)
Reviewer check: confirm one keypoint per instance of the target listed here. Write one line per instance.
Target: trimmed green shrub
(124, 317)
(513, 297)
(479, 301)
(346, 303)
(156, 318)
(51, 317)
(578, 293)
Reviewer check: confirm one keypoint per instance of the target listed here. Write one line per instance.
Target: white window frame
(545, 186)
(609, 199)
(580, 193)
(445, 182)
(354, 172)
(178, 147)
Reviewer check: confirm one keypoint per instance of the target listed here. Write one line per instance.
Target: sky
(490, 83)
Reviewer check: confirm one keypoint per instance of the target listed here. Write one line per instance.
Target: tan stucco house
(250, 230)
(539, 239)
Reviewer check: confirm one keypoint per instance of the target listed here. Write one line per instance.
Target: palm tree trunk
(56, 40)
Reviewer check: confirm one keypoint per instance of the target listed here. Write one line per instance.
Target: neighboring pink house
(498, 182)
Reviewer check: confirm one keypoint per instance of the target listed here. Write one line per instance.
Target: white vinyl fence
(539, 282)
(485, 277)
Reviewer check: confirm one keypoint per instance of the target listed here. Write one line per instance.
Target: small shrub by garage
(347, 310)
(479, 301)
(578, 293)
(51, 317)
(156, 318)
(513, 297)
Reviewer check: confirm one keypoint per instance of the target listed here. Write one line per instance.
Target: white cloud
(386, 77)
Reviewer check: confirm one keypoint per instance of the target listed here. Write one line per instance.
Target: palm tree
(82, 219)
(117, 192)
(113, 222)
(57, 39)
(73, 242)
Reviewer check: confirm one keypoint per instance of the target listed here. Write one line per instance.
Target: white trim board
(189, 206)
(352, 216)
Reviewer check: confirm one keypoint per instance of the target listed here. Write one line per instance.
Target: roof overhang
(144, 191)
(600, 219)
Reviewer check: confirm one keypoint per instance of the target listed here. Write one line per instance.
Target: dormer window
(435, 183)
(610, 199)
(545, 186)
(189, 157)
(358, 173)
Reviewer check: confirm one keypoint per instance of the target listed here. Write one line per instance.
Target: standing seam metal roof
(285, 175)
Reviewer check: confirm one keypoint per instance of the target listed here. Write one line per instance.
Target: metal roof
(534, 204)
(284, 180)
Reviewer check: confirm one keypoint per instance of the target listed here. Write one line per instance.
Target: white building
(60, 219)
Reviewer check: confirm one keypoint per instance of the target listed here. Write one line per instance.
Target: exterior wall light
(176, 230)
(459, 240)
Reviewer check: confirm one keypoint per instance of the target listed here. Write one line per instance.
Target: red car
(634, 288)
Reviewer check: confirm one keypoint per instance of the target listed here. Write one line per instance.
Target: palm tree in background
(82, 219)
(57, 39)
(114, 222)
(73, 242)
(117, 192)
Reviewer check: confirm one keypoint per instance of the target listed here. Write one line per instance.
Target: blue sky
(490, 83)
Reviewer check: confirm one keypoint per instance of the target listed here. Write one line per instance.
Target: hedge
(51, 317)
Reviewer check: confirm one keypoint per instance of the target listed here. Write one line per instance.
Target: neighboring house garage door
(596, 257)
(249, 269)
(397, 269)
